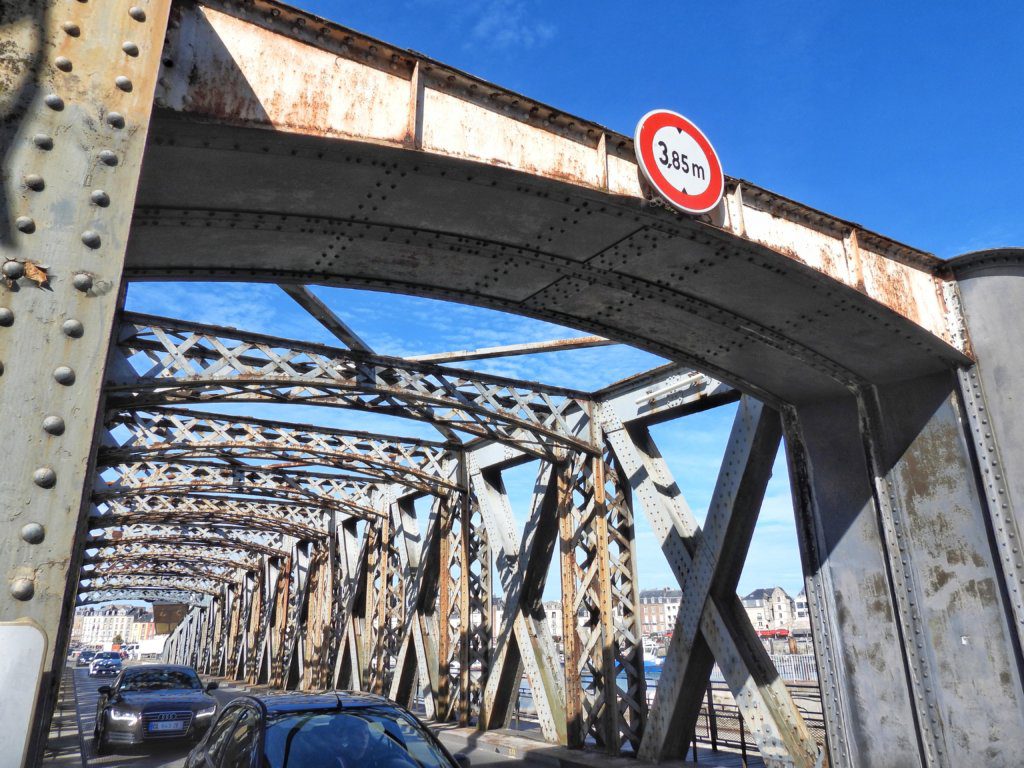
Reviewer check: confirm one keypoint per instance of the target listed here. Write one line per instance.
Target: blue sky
(903, 117)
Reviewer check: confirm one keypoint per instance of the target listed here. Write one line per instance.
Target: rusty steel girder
(192, 363)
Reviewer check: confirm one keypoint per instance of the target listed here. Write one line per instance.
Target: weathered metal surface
(69, 137)
(227, 67)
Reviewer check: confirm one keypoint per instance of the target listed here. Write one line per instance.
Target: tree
(118, 640)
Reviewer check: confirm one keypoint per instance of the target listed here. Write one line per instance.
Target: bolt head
(34, 182)
(124, 83)
(54, 102)
(82, 281)
(71, 28)
(64, 375)
(73, 328)
(13, 270)
(115, 119)
(137, 13)
(63, 63)
(6, 317)
(33, 533)
(42, 141)
(91, 238)
(107, 157)
(100, 198)
(23, 589)
(25, 224)
(45, 477)
(130, 48)
(53, 425)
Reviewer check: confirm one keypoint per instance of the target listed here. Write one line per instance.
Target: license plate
(167, 725)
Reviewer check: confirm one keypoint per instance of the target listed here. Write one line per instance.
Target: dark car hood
(160, 701)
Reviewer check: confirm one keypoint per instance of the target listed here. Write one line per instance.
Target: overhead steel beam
(268, 543)
(148, 594)
(513, 350)
(323, 315)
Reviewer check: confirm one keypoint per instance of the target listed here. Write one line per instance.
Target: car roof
(276, 702)
(165, 667)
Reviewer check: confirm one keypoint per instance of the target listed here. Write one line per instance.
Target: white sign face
(679, 161)
(21, 669)
(682, 161)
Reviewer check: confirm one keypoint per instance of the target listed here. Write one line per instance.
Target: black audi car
(85, 658)
(319, 730)
(152, 702)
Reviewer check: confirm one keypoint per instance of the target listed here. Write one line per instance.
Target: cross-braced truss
(313, 569)
(170, 362)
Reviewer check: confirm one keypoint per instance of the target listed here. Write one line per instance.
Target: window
(241, 747)
(221, 731)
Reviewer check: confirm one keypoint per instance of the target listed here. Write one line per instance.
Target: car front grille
(183, 716)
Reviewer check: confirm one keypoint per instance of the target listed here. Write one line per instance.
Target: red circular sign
(679, 161)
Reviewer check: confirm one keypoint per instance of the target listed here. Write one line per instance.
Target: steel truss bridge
(245, 140)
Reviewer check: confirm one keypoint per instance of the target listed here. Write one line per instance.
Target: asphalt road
(173, 755)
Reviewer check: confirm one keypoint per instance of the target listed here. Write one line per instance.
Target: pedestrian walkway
(536, 752)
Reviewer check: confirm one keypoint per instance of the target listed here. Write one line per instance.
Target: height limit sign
(679, 161)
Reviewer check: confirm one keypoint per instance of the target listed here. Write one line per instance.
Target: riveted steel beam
(74, 116)
(762, 698)
(524, 641)
(171, 534)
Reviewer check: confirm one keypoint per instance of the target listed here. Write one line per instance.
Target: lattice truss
(605, 688)
(169, 361)
(300, 549)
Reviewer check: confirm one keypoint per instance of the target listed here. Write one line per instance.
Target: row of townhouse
(770, 608)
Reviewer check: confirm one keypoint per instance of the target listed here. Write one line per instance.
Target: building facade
(770, 609)
(99, 626)
(659, 609)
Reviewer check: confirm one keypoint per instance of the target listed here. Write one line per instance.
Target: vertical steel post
(74, 113)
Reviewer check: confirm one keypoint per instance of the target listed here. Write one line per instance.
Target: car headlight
(206, 711)
(123, 716)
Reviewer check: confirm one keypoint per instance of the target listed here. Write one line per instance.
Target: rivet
(53, 101)
(130, 48)
(123, 83)
(137, 13)
(33, 533)
(42, 141)
(23, 589)
(73, 328)
(71, 28)
(64, 375)
(115, 119)
(13, 270)
(82, 281)
(25, 224)
(63, 63)
(100, 198)
(91, 238)
(108, 157)
(6, 317)
(53, 425)
(45, 477)
(34, 182)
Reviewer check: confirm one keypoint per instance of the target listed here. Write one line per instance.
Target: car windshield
(108, 655)
(160, 680)
(364, 736)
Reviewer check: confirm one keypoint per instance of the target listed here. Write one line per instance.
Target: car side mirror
(104, 690)
(213, 685)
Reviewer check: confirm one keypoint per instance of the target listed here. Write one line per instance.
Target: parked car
(105, 663)
(325, 730)
(85, 658)
(152, 702)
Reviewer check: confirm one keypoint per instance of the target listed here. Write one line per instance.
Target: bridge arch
(372, 167)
